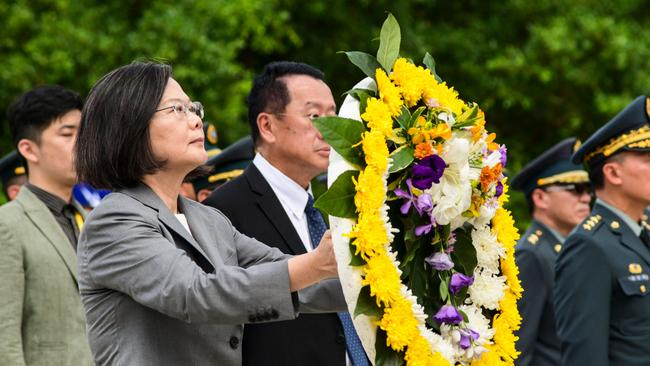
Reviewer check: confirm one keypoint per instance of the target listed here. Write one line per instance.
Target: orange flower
(442, 130)
(422, 150)
(477, 130)
(489, 176)
(491, 145)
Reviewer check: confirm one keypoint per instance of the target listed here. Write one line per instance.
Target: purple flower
(459, 281)
(422, 203)
(440, 261)
(504, 155)
(449, 315)
(426, 228)
(428, 171)
(499, 189)
(465, 338)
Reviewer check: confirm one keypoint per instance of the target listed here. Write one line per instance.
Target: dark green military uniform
(535, 255)
(602, 272)
(11, 170)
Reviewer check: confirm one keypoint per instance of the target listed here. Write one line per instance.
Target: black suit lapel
(269, 204)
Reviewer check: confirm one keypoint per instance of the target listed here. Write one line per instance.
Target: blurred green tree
(541, 70)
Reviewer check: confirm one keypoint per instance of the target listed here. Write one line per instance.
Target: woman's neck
(166, 186)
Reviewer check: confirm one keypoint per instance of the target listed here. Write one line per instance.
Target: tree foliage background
(541, 71)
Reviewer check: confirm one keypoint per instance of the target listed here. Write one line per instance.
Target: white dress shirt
(291, 195)
(293, 199)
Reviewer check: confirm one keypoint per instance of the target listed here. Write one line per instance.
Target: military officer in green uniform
(12, 174)
(557, 192)
(228, 164)
(602, 273)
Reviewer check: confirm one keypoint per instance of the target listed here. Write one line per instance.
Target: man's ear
(538, 196)
(29, 150)
(266, 127)
(612, 173)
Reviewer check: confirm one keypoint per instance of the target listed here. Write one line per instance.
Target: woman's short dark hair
(113, 148)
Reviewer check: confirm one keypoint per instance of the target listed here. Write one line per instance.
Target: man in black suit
(557, 192)
(272, 202)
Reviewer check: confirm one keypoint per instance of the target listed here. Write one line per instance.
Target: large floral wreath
(424, 245)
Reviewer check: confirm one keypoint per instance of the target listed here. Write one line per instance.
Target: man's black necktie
(317, 228)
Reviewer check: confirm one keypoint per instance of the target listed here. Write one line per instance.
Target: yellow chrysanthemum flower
(504, 339)
(369, 236)
(418, 353)
(389, 93)
(509, 312)
(446, 96)
(371, 193)
(384, 280)
(375, 149)
(400, 324)
(490, 358)
(378, 116)
(411, 80)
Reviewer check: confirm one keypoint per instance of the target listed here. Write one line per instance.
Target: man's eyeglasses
(309, 116)
(182, 110)
(578, 189)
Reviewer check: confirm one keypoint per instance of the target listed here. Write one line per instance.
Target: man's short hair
(113, 148)
(35, 111)
(596, 176)
(269, 92)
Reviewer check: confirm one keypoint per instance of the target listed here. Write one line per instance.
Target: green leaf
(418, 276)
(415, 115)
(389, 42)
(386, 356)
(469, 117)
(444, 291)
(430, 63)
(366, 62)
(362, 96)
(464, 254)
(402, 158)
(343, 134)
(356, 260)
(404, 119)
(339, 199)
(367, 305)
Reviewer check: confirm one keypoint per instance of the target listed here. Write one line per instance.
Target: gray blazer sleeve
(125, 250)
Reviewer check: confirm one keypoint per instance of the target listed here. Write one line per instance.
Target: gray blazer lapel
(42, 218)
(145, 195)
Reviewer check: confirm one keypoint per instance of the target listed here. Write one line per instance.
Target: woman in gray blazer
(165, 280)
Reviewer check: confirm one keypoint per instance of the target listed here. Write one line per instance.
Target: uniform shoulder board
(533, 238)
(590, 223)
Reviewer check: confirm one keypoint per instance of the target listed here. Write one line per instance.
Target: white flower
(488, 249)
(447, 117)
(478, 323)
(487, 289)
(439, 343)
(453, 195)
(493, 159)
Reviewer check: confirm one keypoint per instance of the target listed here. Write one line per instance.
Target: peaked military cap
(232, 161)
(553, 166)
(211, 139)
(11, 166)
(627, 131)
(228, 163)
(210, 144)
